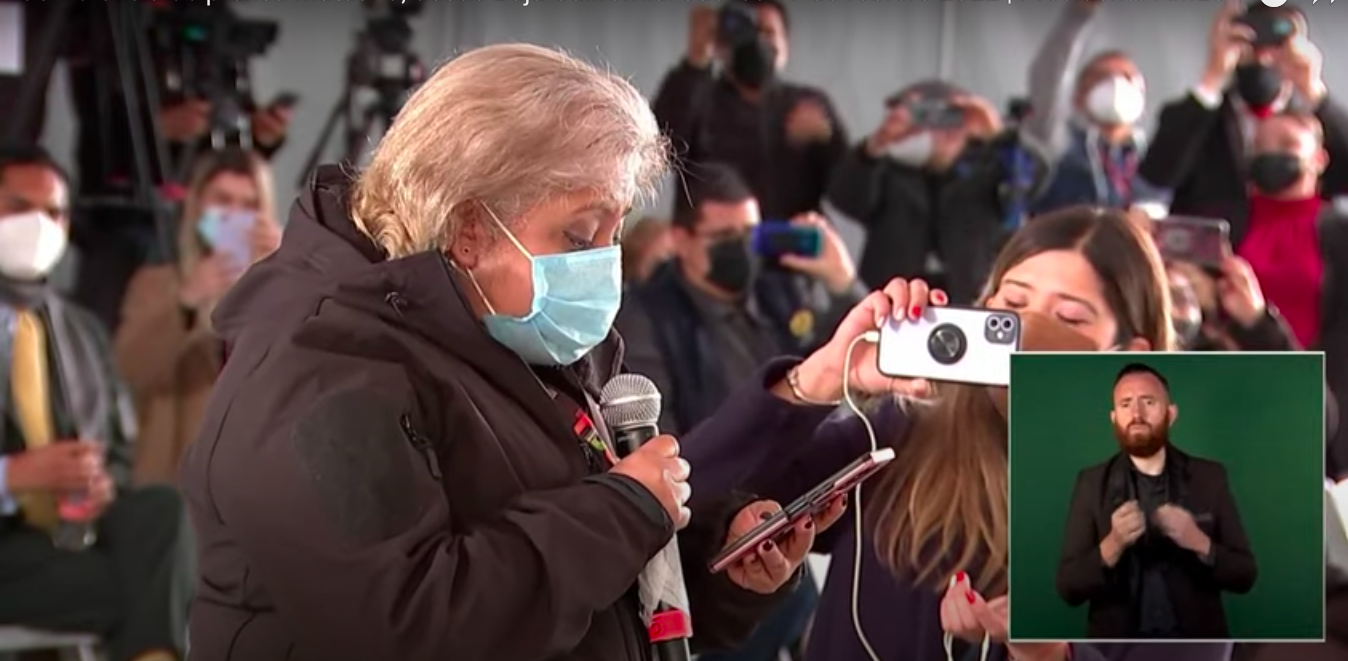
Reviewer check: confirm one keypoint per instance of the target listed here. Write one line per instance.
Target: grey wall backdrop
(857, 50)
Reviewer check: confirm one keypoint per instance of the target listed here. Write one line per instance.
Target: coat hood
(324, 258)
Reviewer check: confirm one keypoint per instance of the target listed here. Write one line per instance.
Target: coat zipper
(423, 446)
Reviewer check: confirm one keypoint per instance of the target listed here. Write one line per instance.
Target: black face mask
(1258, 84)
(753, 63)
(733, 265)
(1273, 173)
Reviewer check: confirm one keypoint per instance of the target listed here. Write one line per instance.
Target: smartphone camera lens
(1000, 329)
(947, 344)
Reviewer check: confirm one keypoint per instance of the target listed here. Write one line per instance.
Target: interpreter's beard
(1141, 439)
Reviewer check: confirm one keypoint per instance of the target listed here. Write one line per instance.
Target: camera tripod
(380, 48)
(140, 95)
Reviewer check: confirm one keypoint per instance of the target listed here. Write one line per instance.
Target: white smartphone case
(956, 345)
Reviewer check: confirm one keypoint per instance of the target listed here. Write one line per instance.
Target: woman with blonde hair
(403, 457)
(931, 550)
(165, 346)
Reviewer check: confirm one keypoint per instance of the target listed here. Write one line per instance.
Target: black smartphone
(1271, 28)
(1204, 242)
(775, 238)
(813, 502)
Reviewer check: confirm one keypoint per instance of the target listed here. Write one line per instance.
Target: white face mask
(913, 151)
(1115, 101)
(30, 245)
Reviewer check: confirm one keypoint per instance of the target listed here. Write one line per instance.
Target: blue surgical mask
(208, 225)
(576, 298)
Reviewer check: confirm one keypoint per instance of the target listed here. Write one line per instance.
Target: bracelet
(793, 382)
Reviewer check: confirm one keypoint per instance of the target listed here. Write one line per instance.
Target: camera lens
(1006, 323)
(946, 344)
(992, 323)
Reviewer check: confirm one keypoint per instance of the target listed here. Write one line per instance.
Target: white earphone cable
(948, 640)
(874, 338)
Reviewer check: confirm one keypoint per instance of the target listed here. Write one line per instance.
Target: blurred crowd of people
(949, 190)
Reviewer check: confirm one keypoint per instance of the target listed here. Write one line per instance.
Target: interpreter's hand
(1239, 293)
(61, 467)
(821, 374)
(185, 121)
(265, 236)
(981, 119)
(270, 125)
(897, 125)
(1227, 41)
(206, 282)
(808, 122)
(965, 614)
(657, 466)
(1179, 525)
(833, 266)
(773, 563)
(701, 36)
(1127, 523)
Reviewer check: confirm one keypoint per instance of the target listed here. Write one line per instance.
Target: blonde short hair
(507, 126)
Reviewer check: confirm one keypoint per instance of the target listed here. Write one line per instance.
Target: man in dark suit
(1203, 140)
(1153, 536)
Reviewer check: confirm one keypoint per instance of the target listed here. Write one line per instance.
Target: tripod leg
(121, 51)
(316, 154)
(126, 26)
(150, 91)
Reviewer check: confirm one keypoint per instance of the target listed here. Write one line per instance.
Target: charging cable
(873, 337)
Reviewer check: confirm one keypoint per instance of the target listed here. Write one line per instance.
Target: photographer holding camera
(1261, 61)
(209, 106)
(726, 103)
(927, 187)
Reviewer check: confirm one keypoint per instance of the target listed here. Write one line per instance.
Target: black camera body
(214, 31)
(1271, 27)
(737, 25)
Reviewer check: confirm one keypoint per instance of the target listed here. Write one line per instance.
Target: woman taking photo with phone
(164, 346)
(933, 548)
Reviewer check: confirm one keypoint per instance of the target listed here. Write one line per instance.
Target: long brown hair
(942, 504)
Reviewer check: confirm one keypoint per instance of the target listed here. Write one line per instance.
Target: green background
(1260, 415)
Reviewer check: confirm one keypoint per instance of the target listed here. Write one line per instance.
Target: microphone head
(629, 401)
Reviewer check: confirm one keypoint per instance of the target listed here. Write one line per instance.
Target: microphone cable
(948, 640)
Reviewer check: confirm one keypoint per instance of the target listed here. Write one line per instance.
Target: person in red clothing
(1295, 239)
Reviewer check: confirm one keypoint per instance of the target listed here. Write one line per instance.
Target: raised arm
(1053, 75)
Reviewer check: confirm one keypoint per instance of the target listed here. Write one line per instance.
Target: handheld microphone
(631, 409)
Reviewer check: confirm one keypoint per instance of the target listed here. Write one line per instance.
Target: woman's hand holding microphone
(656, 465)
(820, 377)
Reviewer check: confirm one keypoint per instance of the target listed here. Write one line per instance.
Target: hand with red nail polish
(774, 562)
(820, 376)
(966, 615)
